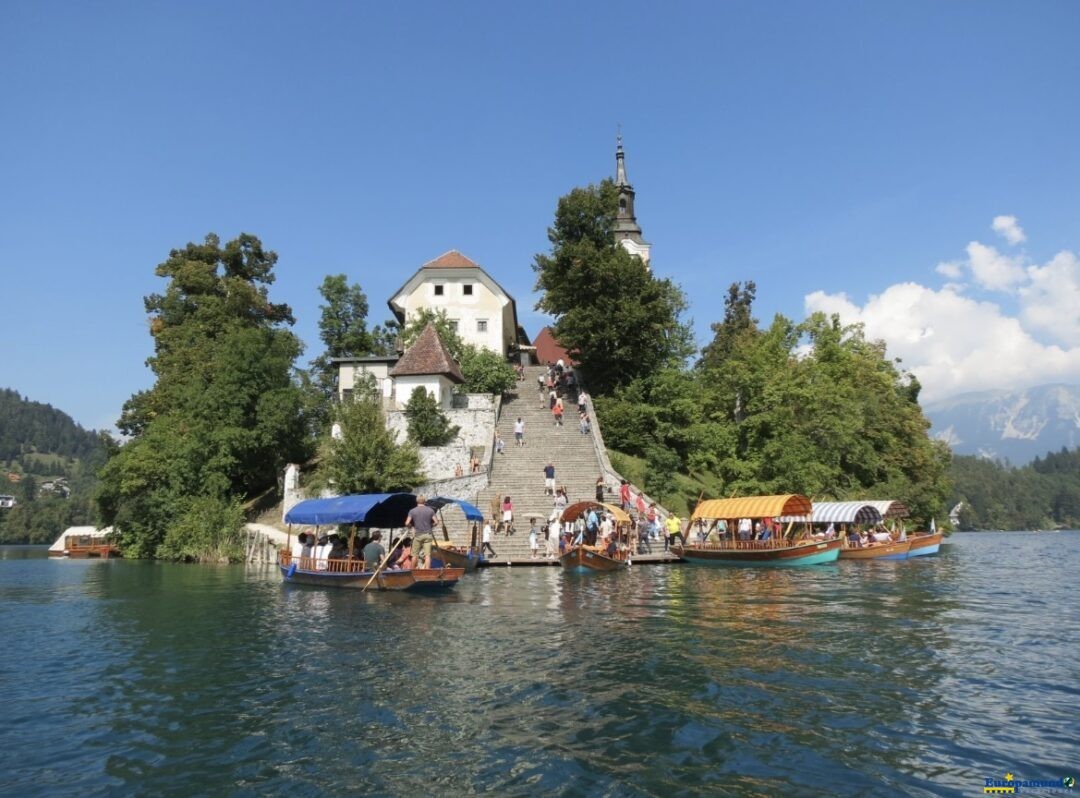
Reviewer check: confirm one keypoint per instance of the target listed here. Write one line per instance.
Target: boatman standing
(422, 519)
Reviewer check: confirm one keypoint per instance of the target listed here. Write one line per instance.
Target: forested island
(809, 407)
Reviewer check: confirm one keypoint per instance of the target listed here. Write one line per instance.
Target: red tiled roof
(428, 356)
(451, 260)
(548, 350)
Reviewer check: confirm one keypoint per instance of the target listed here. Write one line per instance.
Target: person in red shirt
(624, 494)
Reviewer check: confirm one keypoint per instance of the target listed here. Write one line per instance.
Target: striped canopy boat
(863, 513)
(784, 549)
(841, 513)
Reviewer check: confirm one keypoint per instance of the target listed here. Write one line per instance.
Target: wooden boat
(85, 542)
(921, 545)
(761, 552)
(355, 574)
(785, 550)
(379, 510)
(897, 550)
(590, 558)
(443, 553)
(584, 558)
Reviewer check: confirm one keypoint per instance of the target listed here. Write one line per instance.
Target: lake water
(921, 678)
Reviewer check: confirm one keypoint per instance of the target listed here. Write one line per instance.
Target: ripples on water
(920, 677)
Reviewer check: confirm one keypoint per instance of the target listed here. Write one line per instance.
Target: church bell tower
(627, 231)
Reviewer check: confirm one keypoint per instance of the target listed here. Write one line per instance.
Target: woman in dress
(508, 515)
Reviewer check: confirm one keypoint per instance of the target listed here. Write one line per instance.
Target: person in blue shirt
(592, 524)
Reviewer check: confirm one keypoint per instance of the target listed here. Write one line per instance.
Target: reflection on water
(856, 678)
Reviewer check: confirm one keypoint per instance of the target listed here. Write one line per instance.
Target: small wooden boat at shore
(442, 553)
(896, 550)
(585, 558)
(855, 514)
(923, 544)
(85, 542)
(590, 558)
(791, 548)
(378, 510)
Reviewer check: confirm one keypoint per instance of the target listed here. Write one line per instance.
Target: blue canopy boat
(370, 510)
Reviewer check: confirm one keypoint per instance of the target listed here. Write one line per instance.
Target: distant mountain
(27, 426)
(1009, 425)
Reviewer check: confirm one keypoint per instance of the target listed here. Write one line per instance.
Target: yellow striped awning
(754, 507)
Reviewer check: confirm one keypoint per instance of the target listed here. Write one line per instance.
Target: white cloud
(955, 343)
(992, 270)
(951, 269)
(951, 342)
(1009, 228)
(1050, 302)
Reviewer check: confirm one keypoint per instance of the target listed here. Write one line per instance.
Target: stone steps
(518, 471)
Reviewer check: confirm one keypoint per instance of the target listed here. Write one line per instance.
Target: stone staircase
(519, 471)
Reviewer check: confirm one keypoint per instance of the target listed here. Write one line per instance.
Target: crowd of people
(315, 553)
(557, 387)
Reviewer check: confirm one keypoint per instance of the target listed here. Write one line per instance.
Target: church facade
(478, 308)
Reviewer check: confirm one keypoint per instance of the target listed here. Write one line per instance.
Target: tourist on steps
(519, 431)
(486, 540)
(549, 479)
(508, 515)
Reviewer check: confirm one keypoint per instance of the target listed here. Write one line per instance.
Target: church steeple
(626, 229)
(620, 165)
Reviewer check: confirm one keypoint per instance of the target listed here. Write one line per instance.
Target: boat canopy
(81, 532)
(791, 504)
(841, 513)
(386, 510)
(472, 513)
(578, 509)
(890, 508)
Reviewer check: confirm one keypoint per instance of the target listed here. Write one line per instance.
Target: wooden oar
(382, 565)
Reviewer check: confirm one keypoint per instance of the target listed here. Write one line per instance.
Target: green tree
(738, 321)
(367, 457)
(428, 425)
(485, 371)
(224, 415)
(614, 317)
(343, 331)
(661, 464)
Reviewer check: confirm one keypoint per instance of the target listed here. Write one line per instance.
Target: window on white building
(438, 290)
(481, 325)
(466, 289)
(454, 325)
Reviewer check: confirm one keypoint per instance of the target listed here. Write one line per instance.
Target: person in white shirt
(486, 540)
(519, 432)
(298, 548)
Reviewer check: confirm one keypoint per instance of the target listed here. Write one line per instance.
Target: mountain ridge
(1010, 425)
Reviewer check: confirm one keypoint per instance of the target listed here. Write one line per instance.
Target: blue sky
(845, 156)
